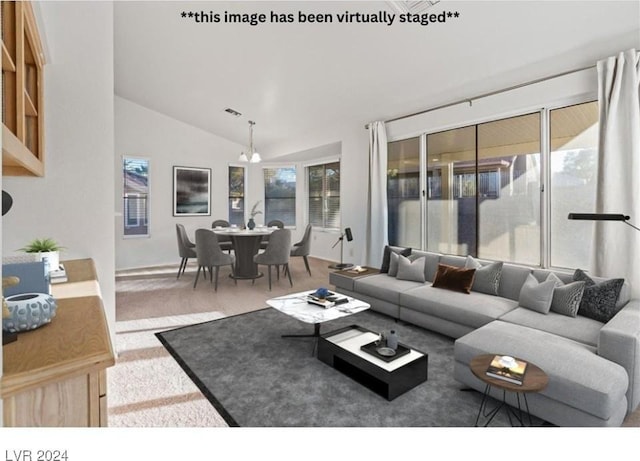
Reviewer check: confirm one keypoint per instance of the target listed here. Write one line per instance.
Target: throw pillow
(393, 264)
(454, 278)
(566, 298)
(599, 299)
(411, 270)
(487, 278)
(386, 257)
(536, 296)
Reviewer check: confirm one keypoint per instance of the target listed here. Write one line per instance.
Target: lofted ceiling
(293, 79)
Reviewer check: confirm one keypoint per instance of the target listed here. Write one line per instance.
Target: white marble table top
(296, 306)
(243, 232)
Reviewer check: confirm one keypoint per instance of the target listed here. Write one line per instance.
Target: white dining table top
(243, 232)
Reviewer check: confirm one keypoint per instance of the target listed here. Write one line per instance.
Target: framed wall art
(191, 191)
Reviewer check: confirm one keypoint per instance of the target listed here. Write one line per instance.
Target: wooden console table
(56, 375)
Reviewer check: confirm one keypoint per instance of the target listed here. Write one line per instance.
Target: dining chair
(276, 223)
(225, 241)
(276, 253)
(273, 223)
(303, 247)
(210, 255)
(186, 248)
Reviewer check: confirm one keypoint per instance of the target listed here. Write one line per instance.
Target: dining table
(246, 244)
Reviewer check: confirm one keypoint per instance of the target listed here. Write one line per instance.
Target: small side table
(535, 380)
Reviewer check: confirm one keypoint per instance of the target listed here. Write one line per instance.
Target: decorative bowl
(28, 311)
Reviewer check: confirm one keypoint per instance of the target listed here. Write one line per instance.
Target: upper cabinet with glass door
(22, 97)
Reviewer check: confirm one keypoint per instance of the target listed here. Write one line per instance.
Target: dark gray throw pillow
(487, 278)
(384, 269)
(599, 299)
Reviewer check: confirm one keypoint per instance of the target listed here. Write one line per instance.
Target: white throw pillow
(537, 296)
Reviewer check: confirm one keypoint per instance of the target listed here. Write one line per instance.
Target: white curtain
(616, 245)
(377, 236)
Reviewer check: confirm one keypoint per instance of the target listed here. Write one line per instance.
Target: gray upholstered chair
(225, 241)
(273, 223)
(186, 248)
(220, 223)
(303, 247)
(276, 223)
(276, 253)
(210, 255)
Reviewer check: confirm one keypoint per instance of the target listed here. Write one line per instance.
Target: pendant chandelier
(252, 156)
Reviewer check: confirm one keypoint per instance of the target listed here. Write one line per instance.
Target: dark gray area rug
(255, 378)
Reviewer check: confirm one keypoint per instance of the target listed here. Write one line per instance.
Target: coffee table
(295, 305)
(535, 380)
(342, 350)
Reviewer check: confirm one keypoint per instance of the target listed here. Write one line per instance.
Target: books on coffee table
(327, 302)
(513, 374)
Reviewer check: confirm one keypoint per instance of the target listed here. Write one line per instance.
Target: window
(135, 173)
(403, 193)
(483, 188)
(324, 195)
(573, 163)
(280, 195)
(483, 184)
(236, 195)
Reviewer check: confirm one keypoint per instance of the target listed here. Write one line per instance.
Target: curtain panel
(616, 245)
(377, 236)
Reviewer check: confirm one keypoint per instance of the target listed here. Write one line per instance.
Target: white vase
(51, 258)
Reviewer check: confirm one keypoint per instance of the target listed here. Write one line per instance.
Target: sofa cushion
(383, 287)
(430, 265)
(536, 295)
(386, 256)
(577, 377)
(473, 310)
(581, 329)
(454, 278)
(453, 260)
(566, 297)
(511, 280)
(599, 301)
(411, 270)
(487, 279)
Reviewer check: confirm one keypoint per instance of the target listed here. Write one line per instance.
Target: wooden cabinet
(22, 92)
(56, 375)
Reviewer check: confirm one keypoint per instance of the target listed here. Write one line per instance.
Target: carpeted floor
(256, 378)
(147, 388)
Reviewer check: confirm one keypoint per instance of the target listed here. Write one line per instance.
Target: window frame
(545, 167)
(295, 198)
(244, 192)
(322, 162)
(126, 195)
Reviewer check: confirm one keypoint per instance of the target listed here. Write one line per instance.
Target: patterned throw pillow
(536, 296)
(487, 278)
(411, 270)
(386, 257)
(454, 278)
(599, 299)
(566, 298)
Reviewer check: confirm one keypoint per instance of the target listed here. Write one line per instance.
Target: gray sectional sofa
(593, 367)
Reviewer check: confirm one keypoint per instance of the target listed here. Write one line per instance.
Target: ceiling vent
(235, 113)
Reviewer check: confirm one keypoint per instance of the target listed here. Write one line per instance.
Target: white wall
(166, 142)
(73, 202)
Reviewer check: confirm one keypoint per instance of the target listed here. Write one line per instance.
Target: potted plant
(254, 212)
(46, 249)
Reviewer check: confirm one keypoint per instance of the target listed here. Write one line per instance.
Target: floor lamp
(602, 217)
(347, 233)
